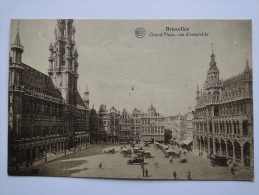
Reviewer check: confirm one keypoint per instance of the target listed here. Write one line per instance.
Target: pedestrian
(143, 171)
(100, 165)
(175, 175)
(171, 160)
(232, 170)
(146, 173)
(189, 175)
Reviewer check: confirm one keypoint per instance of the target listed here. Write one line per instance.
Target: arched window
(209, 96)
(216, 95)
(216, 111)
(239, 90)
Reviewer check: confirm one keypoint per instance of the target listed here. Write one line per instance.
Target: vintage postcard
(131, 99)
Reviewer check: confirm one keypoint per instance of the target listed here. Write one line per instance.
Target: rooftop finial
(17, 38)
(86, 87)
(18, 27)
(247, 63)
(212, 62)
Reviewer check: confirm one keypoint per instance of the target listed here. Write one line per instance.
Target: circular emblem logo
(140, 32)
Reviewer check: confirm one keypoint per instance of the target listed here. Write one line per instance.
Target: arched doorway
(245, 127)
(223, 147)
(206, 144)
(237, 151)
(229, 149)
(217, 146)
(247, 153)
(202, 144)
(197, 145)
(210, 127)
(211, 146)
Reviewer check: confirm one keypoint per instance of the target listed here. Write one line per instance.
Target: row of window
(235, 109)
(153, 122)
(225, 128)
(226, 94)
(153, 130)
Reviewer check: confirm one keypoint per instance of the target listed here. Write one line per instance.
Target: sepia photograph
(131, 99)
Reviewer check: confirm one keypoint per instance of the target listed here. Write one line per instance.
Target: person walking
(146, 173)
(100, 165)
(232, 170)
(189, 175)
(175, 175)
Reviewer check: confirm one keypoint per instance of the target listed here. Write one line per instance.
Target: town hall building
(223, 119)
(47, 115)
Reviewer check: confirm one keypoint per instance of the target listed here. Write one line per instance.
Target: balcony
(42, 96)
(19, 88)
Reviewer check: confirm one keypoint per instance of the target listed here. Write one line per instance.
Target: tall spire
(86, 96)
(17, 41)
(247, 63)
(17, 38)
(16, 48)
(197, 91)
(212, 62)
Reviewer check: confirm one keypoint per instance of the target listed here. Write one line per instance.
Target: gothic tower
(15, 85)
(16, 49)
(213, 85)
(63, 64)
(213, 72)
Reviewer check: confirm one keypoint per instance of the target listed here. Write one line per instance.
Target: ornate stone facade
(152, 126)
(223, 119)
(46, 113)
(125, 123)
(108, 124)
(136, 126)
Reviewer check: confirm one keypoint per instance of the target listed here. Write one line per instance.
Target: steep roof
(79, 100)
(234, 81)
(36, 80)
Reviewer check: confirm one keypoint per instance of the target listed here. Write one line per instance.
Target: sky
(164, 70)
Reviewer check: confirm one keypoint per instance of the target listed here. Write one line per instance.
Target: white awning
(186, 141)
